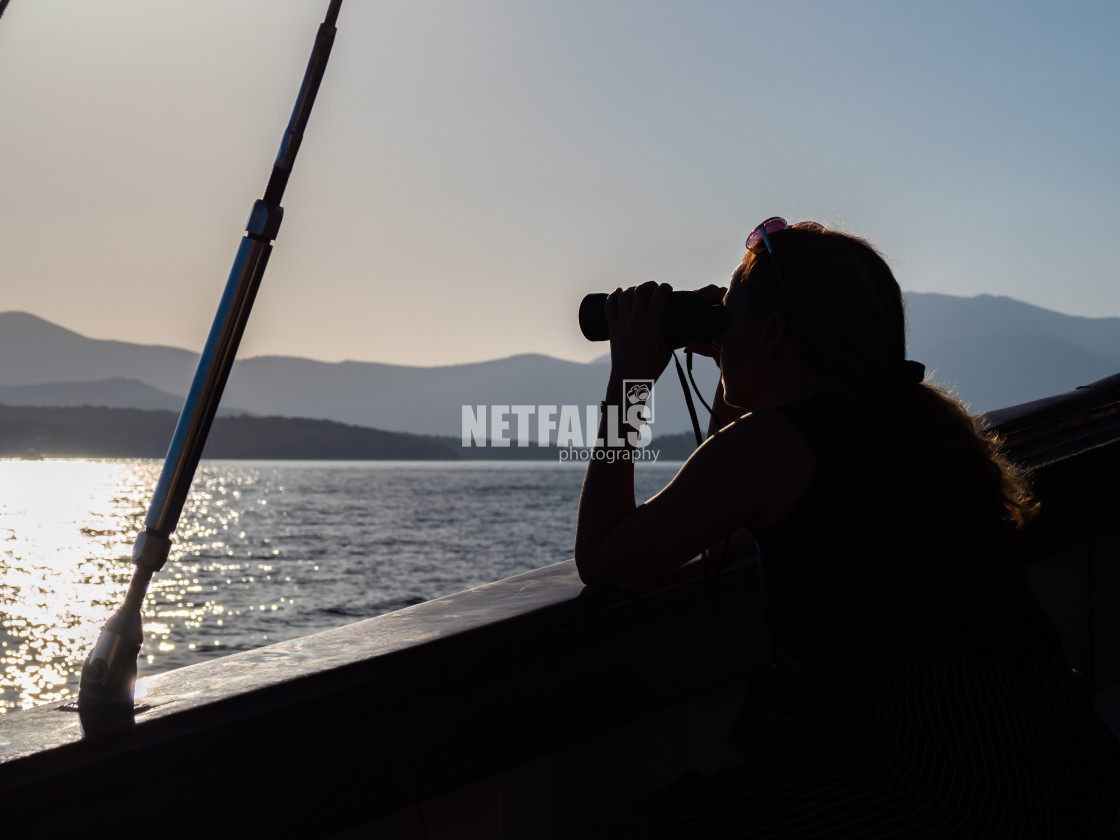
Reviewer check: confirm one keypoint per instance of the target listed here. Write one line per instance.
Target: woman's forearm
(608, 485)
(634, 320)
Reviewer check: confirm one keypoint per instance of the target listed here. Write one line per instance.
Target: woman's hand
(634, 318)
(712, 294)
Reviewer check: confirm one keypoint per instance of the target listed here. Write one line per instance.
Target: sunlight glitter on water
(66, 534)
(264, 551)
(64, 529)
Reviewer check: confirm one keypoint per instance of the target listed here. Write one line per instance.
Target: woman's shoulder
(762, 427)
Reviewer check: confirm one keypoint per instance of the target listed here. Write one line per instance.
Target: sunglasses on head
(772, 225)
(762, 234)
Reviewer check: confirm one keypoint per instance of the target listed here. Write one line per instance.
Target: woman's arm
(752, 472)
(608, 486)
(634, 317)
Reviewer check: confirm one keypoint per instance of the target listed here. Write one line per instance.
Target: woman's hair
(844, 309)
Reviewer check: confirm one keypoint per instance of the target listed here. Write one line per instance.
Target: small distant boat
(480, 714)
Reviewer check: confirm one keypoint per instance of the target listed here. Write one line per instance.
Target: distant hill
(995, 352)
(109, 393)
(420, 400)
(132, 433)
(95, 432)
(34, 352)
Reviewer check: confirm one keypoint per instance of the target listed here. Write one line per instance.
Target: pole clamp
(264, 221)
(150, 551)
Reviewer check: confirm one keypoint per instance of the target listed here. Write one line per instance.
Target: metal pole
(109, 673)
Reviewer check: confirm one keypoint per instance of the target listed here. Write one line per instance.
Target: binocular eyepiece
(688, 317)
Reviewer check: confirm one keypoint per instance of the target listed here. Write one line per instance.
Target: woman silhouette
(918, 690)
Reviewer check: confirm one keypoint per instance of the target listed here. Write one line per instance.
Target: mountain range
(993, 351)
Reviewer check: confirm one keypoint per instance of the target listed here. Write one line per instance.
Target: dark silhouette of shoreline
(99, 432)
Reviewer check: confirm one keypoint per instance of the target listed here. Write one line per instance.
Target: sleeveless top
(889, 559)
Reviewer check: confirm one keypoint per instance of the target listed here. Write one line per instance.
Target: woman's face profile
(741, 349)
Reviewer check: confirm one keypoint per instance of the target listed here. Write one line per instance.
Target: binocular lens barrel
(688, 317)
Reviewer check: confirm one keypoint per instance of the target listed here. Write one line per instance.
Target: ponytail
(931, 420)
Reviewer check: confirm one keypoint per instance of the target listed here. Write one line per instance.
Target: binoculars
(688, 317)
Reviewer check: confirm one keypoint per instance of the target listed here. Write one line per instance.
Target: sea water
(264, 551)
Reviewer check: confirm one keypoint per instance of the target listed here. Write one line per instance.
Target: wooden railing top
(1056, 427)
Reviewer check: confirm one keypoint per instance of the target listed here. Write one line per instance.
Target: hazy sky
(473, 167)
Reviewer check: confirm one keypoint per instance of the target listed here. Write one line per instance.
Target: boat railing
(1051, 428)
